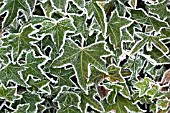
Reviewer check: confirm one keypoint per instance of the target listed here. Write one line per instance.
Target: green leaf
(121, 105)
(80, 23)
(143, 86)
(154, 40)
(158, 56)
(111, 99)
(67, 99)
(33, 100)
(32, 65)
(37, 84)
(114, 74)
(12, 7)
(99, 14)
(9, 94)
(21, 41)
(48, 8)
(4, 52)
(63, 76)
(163, 103)
(114, 28)
(11, 72)
(159, 9)
(58, 30)
(81, 57)
(60, 4)
(71, 109)
(21, 108)
(141, 17)
(90, 100)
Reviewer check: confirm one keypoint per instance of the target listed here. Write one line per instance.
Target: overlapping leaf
(57, 30)
(12, 7)
(114, 28)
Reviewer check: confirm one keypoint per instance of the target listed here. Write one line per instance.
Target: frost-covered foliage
(84, 56)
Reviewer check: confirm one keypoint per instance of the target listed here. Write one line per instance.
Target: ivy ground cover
(84, 56)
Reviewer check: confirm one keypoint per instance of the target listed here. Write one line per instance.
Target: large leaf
(115, 25)
(58, 30)
(12, 7)
(81, 57)
(141, 17)
(9, 94)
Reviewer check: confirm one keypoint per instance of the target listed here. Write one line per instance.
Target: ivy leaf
(79, 22)
(163, 103)
(60, 4)
(111, 99)
(114, 74)
(71, 109)
(12, 7)
(63, 76)
(143, 86)
(4, 52)
(90, 100)
(9, 94)
(99, 14)
(11, 72)
(67, 99)
(141, 17)
(58, 30)
(158, 56)
(114, 28)
(21, 41)
(81, 57)
(149, 39)
(33, 100)
(121, 105)
(21, 108)
(159, 9)
(32, 66)
(47, 6)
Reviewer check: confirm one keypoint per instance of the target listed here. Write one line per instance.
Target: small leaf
(114, 28)
(99, 14)
(63, 76)
(143, 86)
(9, 94)
(33, 100)
(90, 100)
(57, 30)
(141, 17)
(32, 66)
(21, 108)
(163, 103)
(12, 7)
(67, 99)
(11, 72)
(71, 109)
